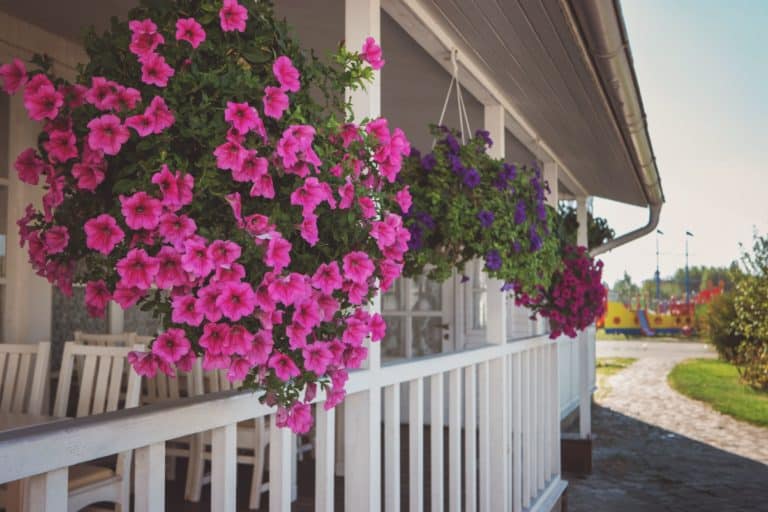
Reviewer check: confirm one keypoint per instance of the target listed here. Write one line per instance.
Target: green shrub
(718, 326)
(753, 364)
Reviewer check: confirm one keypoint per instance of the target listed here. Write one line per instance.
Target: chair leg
(195, 468)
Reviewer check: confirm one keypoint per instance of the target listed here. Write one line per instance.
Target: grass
(607, 366)
(717, 383)
(602, 335)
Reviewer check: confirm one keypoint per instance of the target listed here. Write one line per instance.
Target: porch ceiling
(526, 45)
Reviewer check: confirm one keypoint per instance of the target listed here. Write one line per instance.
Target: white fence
(503, 434)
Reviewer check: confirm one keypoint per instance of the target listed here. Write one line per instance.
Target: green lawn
(604, 368)
(717, 383)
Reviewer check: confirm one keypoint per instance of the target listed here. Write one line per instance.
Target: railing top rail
(68, 442)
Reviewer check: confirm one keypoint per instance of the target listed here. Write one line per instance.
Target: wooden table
(17, 421)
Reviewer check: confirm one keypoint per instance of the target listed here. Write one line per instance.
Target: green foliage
(598, 230)
(446, 231)
(752, 359)
(625, 289)
(717, 383)
(718, 325)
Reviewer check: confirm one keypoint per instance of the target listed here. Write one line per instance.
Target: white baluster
(436, 441)
(149, 475)
(48, 492)
(392, 448)
(224, 468)
(325, 437)
(416, 445)
(470, 439)
(280, 467)
(517, 434)
(484, 422)
(526, 425)
(454, 440)
(499, 435)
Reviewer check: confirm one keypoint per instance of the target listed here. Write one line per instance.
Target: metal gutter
(602, 36)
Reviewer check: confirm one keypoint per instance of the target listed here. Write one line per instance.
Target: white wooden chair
(23, 375)
(123, 339)
(100, 390)
(252, 441)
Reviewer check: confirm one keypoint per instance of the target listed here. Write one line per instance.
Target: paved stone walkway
(656, 450)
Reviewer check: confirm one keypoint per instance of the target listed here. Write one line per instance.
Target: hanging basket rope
(462, 109)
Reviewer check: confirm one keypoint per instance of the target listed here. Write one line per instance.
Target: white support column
(116, 318)
(362, 411)
(500, 438)
(585, 366)
(550, 173)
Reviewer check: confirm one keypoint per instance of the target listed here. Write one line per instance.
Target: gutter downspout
(602, 37)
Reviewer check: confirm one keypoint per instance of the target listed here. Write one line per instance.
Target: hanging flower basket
(575, 298)
(467, 205)
(189, 171)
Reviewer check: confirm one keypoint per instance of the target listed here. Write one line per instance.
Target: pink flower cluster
(264, 302)
(576, 297)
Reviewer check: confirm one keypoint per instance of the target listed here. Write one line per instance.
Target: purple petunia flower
(541, 211)
(452, 143)
(486, 136)
(493, 260)
(455, 162)
(520, 212)
(426, 219)
(415, 153)
(429, 162)
(508, 287)
(486, 218)
(471, 178)
(535, 239)
(516, 246)
(415, 241)
(464, 279)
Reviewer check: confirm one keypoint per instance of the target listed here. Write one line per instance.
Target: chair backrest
(123, 339)
(101, 387)
(23, 374)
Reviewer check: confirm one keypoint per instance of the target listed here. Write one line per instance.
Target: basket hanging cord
(461, 107)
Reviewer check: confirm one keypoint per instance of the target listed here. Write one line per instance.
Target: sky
(702, 66)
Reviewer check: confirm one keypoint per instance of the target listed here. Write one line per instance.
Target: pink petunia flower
(169, 273)
(327, 278)
(378, 327)
(252, 168)
(185, 310)
(14, 76)
(189, 30)
(286, 74)
(97, 297)
(308, 314)
(236, 272)
(238, 369)
(206, 301)
(195, 259)
(141, 211)
(102, 234)
(61, 146)
(241, 116)
(155, 70)
(145, 38)
(125, 98)
(229, 155)
(143, 124)
(371, 53)
(357, 266)
(137, 269)
(101, 93)
(223, 253)
(404, 199)
(214, 337)
(278, 254)
(275, 102)
(171, 345)
(176, 229)
(308, 229)
(29, 166)
(367, 206)
(233, 16)
(161, 115)
(128, 296)
(289, 290)
(107, 134)
(56, 239)
(239, 341)
(263, 187)
(317, 357)
(261, 348)
(43, 103)
(284, 367)
(88, 176)
(236, 300)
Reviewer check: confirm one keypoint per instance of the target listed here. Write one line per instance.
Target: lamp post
(687, 282)
(658, 275)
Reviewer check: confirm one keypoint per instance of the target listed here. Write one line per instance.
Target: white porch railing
(502, 402)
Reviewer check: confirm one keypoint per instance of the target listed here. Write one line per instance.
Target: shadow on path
(639, 467)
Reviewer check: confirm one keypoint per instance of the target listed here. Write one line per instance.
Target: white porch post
(362, 411)
(585, 368)
(500, 438)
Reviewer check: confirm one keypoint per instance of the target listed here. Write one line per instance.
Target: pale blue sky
(703, 72)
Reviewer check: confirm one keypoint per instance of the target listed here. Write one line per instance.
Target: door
(419, 315)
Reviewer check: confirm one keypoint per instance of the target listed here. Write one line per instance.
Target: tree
(625, 289)
(598, 230)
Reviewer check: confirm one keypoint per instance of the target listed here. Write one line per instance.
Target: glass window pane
(426, 295)
(427, 335)
(391, 300)
(393, 344)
